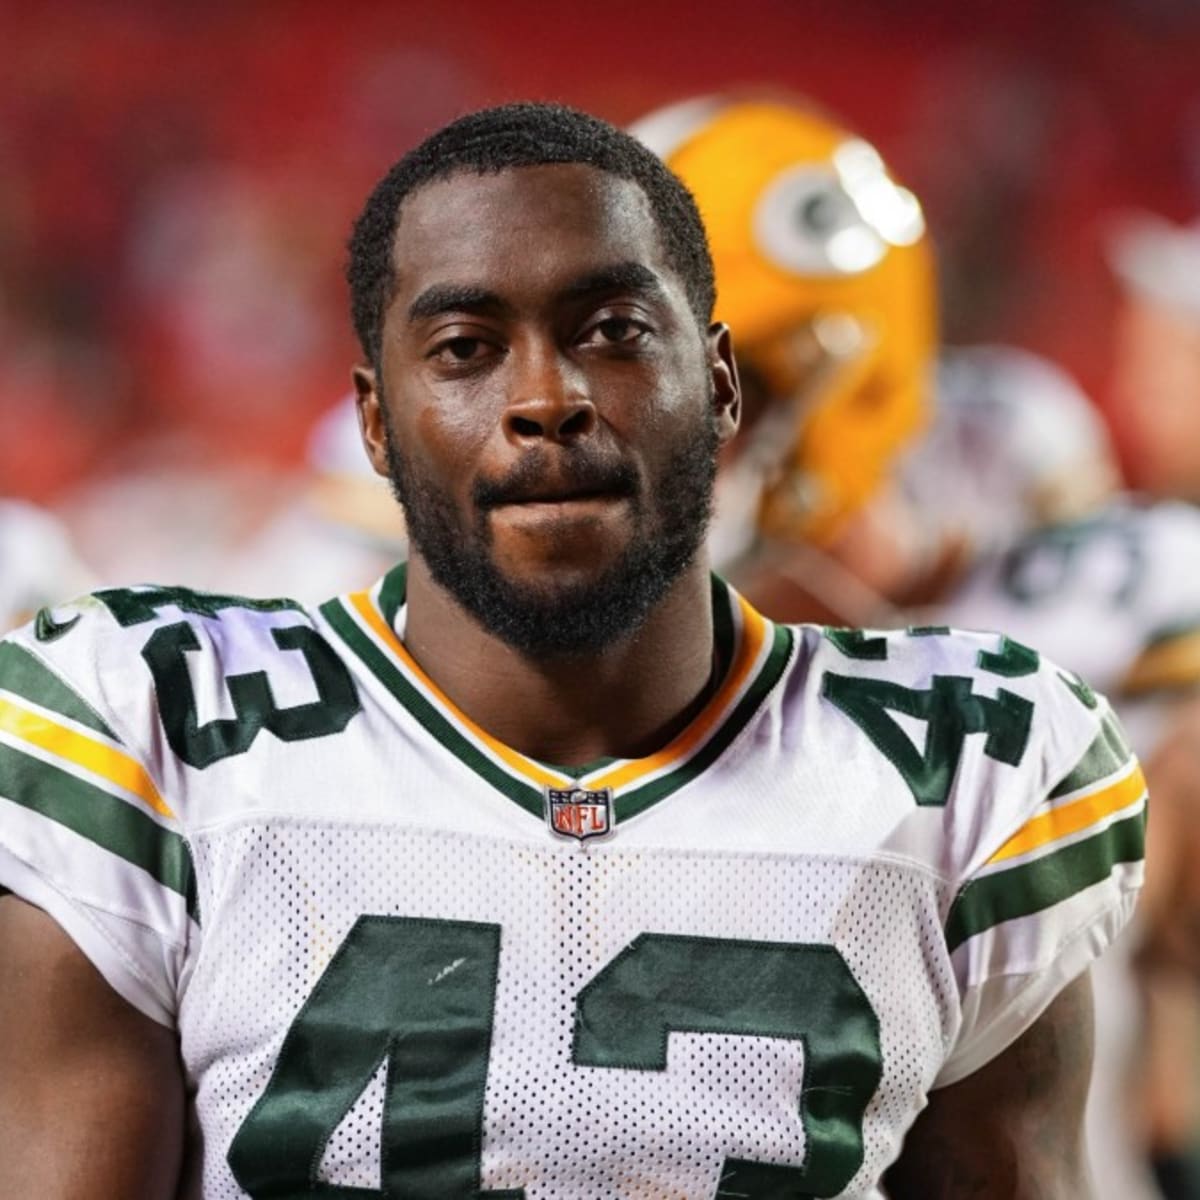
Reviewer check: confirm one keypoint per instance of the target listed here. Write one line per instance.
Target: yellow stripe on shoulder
(81, 749)
(1070, 818)
(754, 634)
(518, 762)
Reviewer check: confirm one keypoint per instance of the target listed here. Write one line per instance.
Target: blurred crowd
(972, 362)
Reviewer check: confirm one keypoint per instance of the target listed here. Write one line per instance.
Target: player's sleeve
(1168, 659)
(85, 832)
(1046, 897)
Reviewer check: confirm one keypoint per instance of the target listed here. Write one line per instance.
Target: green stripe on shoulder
(23, 674)
(1034, 886)
(1108, 753)
(437, 725)
(639, 799)
(102, 818)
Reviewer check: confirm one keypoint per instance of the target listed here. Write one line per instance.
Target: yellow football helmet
(825, 275)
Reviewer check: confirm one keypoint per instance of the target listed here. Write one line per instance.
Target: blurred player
(339, 525)
(826, 273)
(1115, 593)
(844, 500)
(38, 563)
(1110, 594)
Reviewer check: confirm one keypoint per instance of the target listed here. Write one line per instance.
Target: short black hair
(526, 134)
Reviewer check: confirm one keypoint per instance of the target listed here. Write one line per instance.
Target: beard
(557, 620)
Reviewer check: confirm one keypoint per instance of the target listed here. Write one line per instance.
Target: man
(547, 867)
(847, 498)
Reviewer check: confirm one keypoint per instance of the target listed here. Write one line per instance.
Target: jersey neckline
(755, 652)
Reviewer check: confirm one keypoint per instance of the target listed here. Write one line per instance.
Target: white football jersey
(403, 959)
(1115, 597)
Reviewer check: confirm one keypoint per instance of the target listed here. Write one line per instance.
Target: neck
(625, 701)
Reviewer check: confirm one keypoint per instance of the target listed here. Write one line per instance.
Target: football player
(1113, 594)
(547, 866)
(846, 498)
(826, 274)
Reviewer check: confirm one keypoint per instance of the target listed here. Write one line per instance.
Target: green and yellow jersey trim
(60, 760)
(39, 728)
(1092, 825)
(755, 652)
(1071, 817)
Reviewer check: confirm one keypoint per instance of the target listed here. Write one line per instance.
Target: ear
(727, 389)
(370, 417)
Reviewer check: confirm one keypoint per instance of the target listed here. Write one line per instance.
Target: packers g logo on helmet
(825, 274)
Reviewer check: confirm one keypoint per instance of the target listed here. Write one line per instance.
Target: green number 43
(419, 995)
(950, 710)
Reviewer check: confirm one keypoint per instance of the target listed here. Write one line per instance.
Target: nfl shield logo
(579, 813)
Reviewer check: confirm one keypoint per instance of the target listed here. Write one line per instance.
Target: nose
(547, 400)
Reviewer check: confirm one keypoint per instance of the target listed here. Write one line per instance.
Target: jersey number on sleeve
(201, 745)
(419, 995)
(254, 707)
(949, 709)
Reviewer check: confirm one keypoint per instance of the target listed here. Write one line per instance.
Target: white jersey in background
(1116, 596)
(38, 564)
(400, 954)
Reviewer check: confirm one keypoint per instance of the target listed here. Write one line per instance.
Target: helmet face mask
(825, 275)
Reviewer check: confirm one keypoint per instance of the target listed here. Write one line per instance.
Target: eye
(615, 331)
(461, 350)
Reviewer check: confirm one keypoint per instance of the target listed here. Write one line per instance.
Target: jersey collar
(755, 652)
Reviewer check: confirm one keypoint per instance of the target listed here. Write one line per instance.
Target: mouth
(564, 506)
(545, 492)
(566, 496)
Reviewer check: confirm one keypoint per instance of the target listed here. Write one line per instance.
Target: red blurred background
(177, 181)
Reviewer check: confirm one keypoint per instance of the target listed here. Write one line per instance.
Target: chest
(447, 1013)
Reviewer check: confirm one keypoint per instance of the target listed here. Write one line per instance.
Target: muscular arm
(1014, 1129)
(91, 1091)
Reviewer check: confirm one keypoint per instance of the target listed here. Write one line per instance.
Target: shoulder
(104, 631)
(971, 681)
(145, 661)
(973, 730)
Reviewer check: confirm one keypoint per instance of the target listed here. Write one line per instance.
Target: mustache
(537, 475)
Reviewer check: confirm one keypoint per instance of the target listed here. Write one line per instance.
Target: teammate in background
(824, 260)
(826, 274)
(341, 530)
(38, 563)
(1155, 405)
(546, 867)
(1111, 593)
